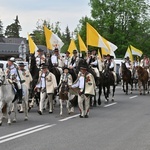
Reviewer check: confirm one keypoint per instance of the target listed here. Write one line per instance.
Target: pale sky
(67, 12)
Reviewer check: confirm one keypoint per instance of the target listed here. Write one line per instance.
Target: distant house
(9, 47)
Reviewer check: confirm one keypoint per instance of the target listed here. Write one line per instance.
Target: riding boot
(19, 96)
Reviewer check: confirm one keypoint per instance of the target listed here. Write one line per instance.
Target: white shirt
(42, 83)
(127, 65)
(13, 71)
(40, 60)
(79, 83)
(67, 60)
(54, 59)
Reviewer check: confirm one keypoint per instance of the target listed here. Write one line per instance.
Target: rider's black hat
(75, 51)
(44, 66)
(21, 64)
(40, 50)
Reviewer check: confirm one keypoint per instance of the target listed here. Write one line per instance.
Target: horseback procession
(51, 80)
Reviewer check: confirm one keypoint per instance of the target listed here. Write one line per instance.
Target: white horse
(7, 95)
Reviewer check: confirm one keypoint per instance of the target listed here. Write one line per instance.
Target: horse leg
(67, 106)
(9, 113)
(144, 87)
(108, 92)
(14, 106)
(2, 110)
(139, 84)
(113, 93)
(99, 96)
(105, 94)
(126, 88)
(123, 87)
(61, 106)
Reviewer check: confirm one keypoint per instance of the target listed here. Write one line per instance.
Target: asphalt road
(121, 125)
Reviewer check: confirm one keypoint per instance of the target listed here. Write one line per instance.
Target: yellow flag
(129, 54)
(72, 46)
(52, 40)
(95, 39)
(32, 47)
(82, 46)
(136, 51)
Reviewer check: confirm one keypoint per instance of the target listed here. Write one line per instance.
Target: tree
(13, 29)
(122, 22)
(66, 36)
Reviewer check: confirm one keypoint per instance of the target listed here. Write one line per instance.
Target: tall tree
(14, 29)
(66, 36)
(122, 22)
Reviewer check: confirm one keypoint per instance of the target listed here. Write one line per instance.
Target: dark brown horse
(108, 80)
(142, 79)
(35, 75)
(126, 78)
(64, 96)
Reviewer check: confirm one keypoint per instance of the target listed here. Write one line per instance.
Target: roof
(12, 48)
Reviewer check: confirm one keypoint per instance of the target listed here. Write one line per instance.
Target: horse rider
(74, 60)
(40, 58)
(25, 75)
(111, 64)
(26, 78)
(67, 59)
(145, 63)
(88, 56)
(86, 85)
(47, 85)
(57, 60)
(65, 77)
(93, 61)
(13, 75)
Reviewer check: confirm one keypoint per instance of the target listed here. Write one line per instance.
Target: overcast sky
(68, 12)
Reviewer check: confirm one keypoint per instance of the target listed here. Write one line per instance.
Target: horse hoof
(21, 112)
(14, 120)
(1, 124)
(25, 119)
(140, 93)
(112, 100)
(9, 123)
(99, 102)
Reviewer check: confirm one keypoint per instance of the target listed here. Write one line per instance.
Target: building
(9, 47)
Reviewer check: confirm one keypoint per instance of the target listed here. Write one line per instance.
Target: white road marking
(26, 133)
(133, 97)
(22, 131)
(69, 118)
(110, 104)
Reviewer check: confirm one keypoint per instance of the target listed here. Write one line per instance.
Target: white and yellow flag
(52, 40)
(129, 54)
(95, 39)
(32, 46)
(82, 46)
(136, 51)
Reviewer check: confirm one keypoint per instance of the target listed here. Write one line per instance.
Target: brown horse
(64, 96)
(142, 79)
(126, 77)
